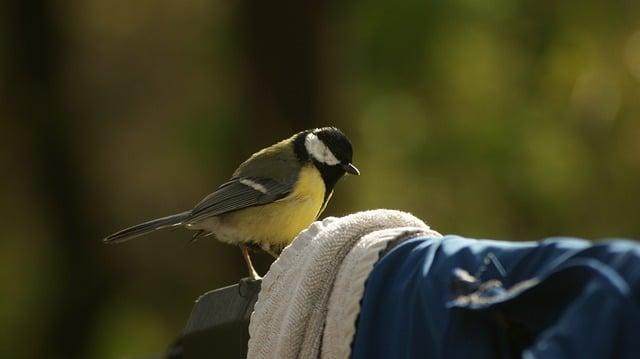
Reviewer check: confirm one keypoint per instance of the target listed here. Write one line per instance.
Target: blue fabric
(455, 297)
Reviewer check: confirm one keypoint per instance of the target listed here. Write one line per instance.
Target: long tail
(147, 227)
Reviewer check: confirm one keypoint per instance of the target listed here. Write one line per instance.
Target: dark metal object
(219, 323)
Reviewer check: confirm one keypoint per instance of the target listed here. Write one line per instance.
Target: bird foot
(254, 276)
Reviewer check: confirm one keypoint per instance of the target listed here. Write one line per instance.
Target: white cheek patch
(319, 151)
(255, 185)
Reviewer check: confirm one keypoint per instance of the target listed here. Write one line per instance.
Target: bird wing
(239, 193)
(278, 161)
(249, 185)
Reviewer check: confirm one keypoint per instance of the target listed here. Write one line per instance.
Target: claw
(198, 235)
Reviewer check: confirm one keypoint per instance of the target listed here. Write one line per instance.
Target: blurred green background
(501, 119)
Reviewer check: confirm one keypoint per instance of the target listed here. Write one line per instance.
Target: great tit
(271, 197)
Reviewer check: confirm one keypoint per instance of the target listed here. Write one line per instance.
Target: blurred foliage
(500, 119)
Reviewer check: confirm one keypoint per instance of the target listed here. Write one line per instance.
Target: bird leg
(245, 254)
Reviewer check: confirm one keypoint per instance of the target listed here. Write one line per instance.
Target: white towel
(298, 296)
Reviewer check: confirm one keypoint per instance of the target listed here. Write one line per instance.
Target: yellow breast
(279, 222)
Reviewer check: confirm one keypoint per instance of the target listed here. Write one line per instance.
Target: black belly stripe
(324, 204)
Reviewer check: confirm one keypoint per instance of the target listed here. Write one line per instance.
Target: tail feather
(147, 227)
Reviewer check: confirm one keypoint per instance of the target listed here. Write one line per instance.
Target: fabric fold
(314, 288)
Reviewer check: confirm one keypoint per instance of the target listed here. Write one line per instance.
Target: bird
(270, 198)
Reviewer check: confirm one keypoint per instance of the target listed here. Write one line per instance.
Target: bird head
(330, 149)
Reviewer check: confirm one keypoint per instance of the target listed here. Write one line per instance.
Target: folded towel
(298, 296)
(348, 289)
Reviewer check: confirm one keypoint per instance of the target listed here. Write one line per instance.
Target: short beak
(351, 169)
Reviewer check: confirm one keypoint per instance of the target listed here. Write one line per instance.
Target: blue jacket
(455, 297)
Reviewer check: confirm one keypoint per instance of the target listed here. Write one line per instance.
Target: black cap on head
(328, 148)
(337, 143)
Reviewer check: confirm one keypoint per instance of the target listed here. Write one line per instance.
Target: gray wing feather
(234, 195)
(279, 161)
